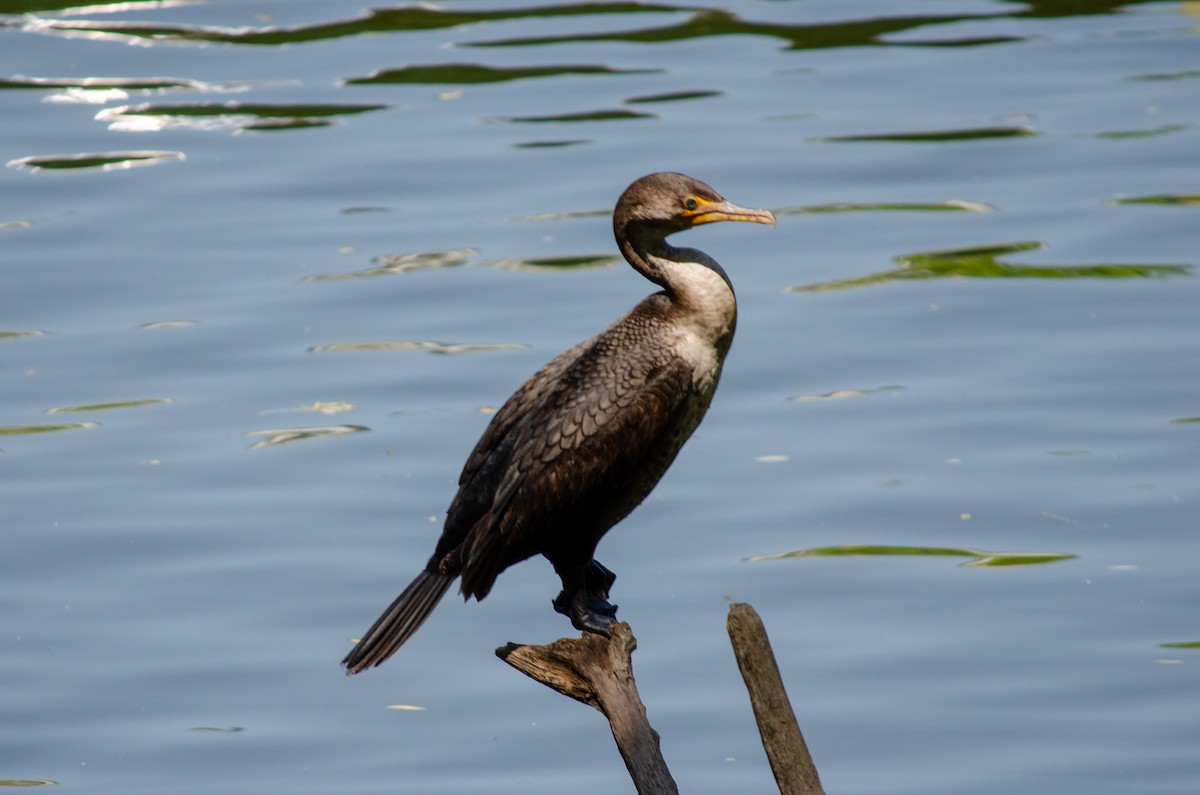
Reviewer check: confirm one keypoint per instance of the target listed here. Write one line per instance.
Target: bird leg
(584, 598)
(599, 581)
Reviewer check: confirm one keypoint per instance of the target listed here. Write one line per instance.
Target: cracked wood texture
(598, 671)
(794, 770)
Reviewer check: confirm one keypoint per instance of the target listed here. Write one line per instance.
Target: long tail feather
(398, 623)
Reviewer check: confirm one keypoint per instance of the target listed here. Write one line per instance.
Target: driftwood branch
(794, 770)
(598, 671)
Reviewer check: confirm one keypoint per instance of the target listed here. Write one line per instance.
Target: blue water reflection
(987, 233)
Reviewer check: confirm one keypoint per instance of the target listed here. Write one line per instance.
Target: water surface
(267, 268)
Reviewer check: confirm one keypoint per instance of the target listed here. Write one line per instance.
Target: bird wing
(586, 454)
(517, 407)
(489, 460)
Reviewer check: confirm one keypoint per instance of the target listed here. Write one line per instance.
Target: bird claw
(584, 599)
(589, 615)
(596, 622)
(602, 607)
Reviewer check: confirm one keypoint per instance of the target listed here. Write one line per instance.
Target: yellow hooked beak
(711, 212)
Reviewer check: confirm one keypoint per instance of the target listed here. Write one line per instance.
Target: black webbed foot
(584, 599)
(587, 614)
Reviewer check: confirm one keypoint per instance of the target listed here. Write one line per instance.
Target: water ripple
(1153, 132)
(979, 559)
(475, 74)
(154, 325)
(385, 20)
(567, 215)
(324, 408)
(119, 404)
(845, 394)
(26, 430)
(104, 161)
(673, 96)
(26, 782)
(615, 114)
(98, 90)
(416, 345)
(555, 263)
(1170, 199)
(933, 136)
(950, 205)
(719, 22)
(983, 262)
(225, 116)
(274, 437)
(1188, 74)
(698, 24)
(551, 144)
(391, 264)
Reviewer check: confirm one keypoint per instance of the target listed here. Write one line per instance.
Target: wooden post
(598, 671)
(794, 770)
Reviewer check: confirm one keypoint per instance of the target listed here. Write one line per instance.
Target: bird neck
(696, 285)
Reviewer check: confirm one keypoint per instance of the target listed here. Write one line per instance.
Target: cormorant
(584, 440)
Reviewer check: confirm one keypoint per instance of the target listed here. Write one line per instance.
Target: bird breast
(701, 320)
(702, 356)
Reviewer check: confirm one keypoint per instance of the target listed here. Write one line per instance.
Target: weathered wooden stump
(794, 770)
(598, 671)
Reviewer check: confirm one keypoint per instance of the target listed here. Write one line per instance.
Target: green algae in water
(26, 782)
(27, 430)
(99, 83)
(619, 114)
(120, 404)
(262, 111)
(227, 116)
(476, 74)
(950, 206)
(448, 348)
(560, 144)
(1122, 135)
(978, 558)
(104, 161)
(403, 18)
(392, 264)
(984, 262)
(933, 136)
(274, 437)
(674, 96)
(1167, 199)
(557, 263)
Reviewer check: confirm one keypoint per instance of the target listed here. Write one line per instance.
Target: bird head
(672, 202)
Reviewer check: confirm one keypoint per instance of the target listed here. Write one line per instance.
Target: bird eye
(691, 204)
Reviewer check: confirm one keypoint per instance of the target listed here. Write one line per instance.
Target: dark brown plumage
(584, 440)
